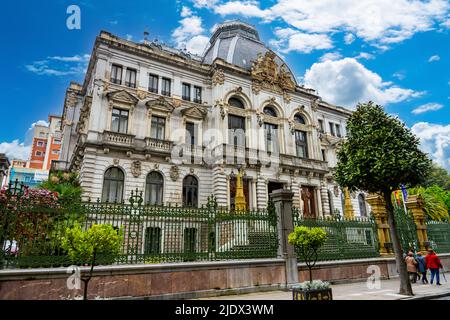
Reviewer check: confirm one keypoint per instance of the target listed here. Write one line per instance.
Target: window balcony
(186, 98)
(130, 84)
(116, 81)
(165, 93)
(198, 101)
(161, 146)
(152, 89)
(116, 138)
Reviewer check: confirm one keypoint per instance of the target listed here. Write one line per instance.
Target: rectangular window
(301, 144)
(186, 95)
(332, 129)
(190, 134)
(57, 141)
(271, 137)
(158, 128)
(324, 158)
(152, 240)
(39, 154)
(197, 94)
(55, 151)
(165, 87)
(236, 132)
(40, 143)
(338, 130)
(119, 121)
(153, 83)
(321, 126)
(116, 74)
(130, 78)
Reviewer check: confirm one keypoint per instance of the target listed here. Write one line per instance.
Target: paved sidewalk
(353, 291)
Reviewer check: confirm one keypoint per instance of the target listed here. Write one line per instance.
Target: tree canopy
(438, 177)
(380, 153)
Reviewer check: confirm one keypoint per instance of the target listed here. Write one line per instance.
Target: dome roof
(237, 43)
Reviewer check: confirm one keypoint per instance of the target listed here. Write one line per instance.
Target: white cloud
(365, 55)
(15, 150)
(427, 107)
(129, 37)
(435, 140)
(380, 22)
(186, 12)
(399, 75)
(204, 3)
(330, 56)
(245, 8)
(434, 58)
(292, 40)
(349, 38)
(189, 28)
(346, 82)
(60, 65)
(21, 150)
(197, 44)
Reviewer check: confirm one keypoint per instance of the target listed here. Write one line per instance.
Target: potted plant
(308, 241)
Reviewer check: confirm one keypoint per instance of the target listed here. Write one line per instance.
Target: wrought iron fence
(31, 232)
(406, 229)
(347, 238)
(439, 235)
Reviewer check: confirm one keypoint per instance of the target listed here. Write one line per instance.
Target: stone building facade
(180, 126)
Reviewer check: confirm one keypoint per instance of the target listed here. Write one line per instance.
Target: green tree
(65, 184)
(379, 154)
(101, 242)
(438, 177)
(434, 201)
(308, 241)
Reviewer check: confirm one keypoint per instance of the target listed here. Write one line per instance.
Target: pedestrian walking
(422, 266)
(411, 266)
(433, 263)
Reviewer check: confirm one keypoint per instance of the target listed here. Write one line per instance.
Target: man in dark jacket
(422, 266)
(433, 263)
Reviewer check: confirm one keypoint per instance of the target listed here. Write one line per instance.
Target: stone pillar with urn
(377, 204)
(415, 204)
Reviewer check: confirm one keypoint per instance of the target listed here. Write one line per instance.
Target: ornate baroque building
(181, 127)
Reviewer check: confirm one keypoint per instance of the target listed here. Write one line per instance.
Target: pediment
(122, 96)
(160, 104)
(195, 112)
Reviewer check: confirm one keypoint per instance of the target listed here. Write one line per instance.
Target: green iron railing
(439, 236)
(31, 233)
(347, 238)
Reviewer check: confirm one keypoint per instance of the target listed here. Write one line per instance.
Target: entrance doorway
(272, 186)
(309, 202)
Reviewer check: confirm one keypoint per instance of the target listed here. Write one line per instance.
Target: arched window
(330, 202)
(299, 119)
(190, 191)
(154, 186)
(236, 102)
(270, 111)
(113, 182)
(362, 205)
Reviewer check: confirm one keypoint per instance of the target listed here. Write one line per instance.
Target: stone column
(220, 186)
(283, 205)
(379, 212)
(415, 204)
(261, 192)
(324, 197)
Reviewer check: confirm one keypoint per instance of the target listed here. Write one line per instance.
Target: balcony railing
(152, 144)
(118, 138)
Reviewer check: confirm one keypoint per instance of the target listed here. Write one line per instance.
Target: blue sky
(393, 52)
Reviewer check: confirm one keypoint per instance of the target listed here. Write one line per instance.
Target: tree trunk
(405, 284)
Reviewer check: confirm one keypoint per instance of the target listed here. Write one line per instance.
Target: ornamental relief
(267, 75)
(218, 77)
(136, 168)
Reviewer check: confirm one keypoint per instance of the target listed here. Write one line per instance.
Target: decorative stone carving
(336, 191)
(136, 168)
(160, 104)
(223, 107)
(174, 173)
(156, 166)
(266, 74)
(141, 94)
(218, 77)
(191, 170)
(122, 96)
(260, 117)
(287, 97)
(116, 162)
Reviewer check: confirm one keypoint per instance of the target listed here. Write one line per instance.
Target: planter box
(324, 294)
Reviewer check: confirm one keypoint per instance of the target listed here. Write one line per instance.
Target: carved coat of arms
(174, 173)
(136, 168)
